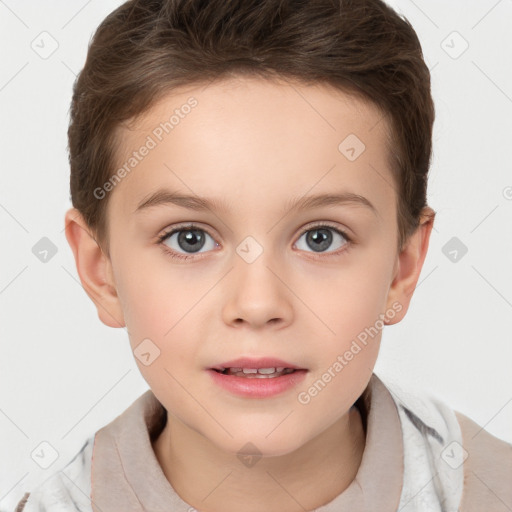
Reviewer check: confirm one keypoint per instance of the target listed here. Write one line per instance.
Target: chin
(253, 442)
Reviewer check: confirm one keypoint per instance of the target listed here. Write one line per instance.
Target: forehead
(257, 140)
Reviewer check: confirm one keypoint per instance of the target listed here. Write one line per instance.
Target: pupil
(321, 239)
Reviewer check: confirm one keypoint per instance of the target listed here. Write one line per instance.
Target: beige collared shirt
(119, 467)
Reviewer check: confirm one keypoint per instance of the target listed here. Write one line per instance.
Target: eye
(190, 239)
(320, 237)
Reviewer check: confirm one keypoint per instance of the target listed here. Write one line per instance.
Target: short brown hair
(146, 48)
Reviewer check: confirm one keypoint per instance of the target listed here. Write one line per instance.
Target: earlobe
(408, 266)
(94, 269)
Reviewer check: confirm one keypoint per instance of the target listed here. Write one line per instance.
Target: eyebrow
(168, 197)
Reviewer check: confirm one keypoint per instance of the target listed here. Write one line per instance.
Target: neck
(211, 479)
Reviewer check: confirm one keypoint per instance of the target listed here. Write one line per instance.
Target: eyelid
(327, 224)
(308, 227)
(187, 226)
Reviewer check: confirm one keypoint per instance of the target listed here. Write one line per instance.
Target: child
(291, 142)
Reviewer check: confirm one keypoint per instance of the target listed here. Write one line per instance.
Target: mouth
(264, 377)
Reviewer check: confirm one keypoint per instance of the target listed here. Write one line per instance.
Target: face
(262, 272)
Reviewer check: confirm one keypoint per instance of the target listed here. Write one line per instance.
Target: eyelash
(193, 227)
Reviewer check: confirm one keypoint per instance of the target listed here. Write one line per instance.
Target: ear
(408, 266)
(94, 269)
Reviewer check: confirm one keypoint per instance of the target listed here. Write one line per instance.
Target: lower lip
(258, 388)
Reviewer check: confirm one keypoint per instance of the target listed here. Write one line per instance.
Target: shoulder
(478, 464)
(472, 468)
(428, 428)
(67, 490)
(487, 469)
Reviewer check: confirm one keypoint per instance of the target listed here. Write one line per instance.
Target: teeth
(258, 372)
(262, 371)
(254, 370)
(266, 371)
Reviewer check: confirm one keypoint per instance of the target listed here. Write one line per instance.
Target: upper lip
(261, 362)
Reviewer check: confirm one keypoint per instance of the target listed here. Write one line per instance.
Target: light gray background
(64, 375)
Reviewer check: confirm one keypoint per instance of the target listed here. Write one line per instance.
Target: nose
(257, 294)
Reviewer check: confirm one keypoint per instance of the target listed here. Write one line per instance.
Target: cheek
(149, 292)
(346, 307)
(157, 307)
(346, 301)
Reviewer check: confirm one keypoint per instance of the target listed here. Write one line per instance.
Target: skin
(255, 144)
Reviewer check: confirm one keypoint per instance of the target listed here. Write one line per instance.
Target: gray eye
(320, 238)
(188, 240)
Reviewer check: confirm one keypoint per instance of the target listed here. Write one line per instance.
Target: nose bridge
(255, 293)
